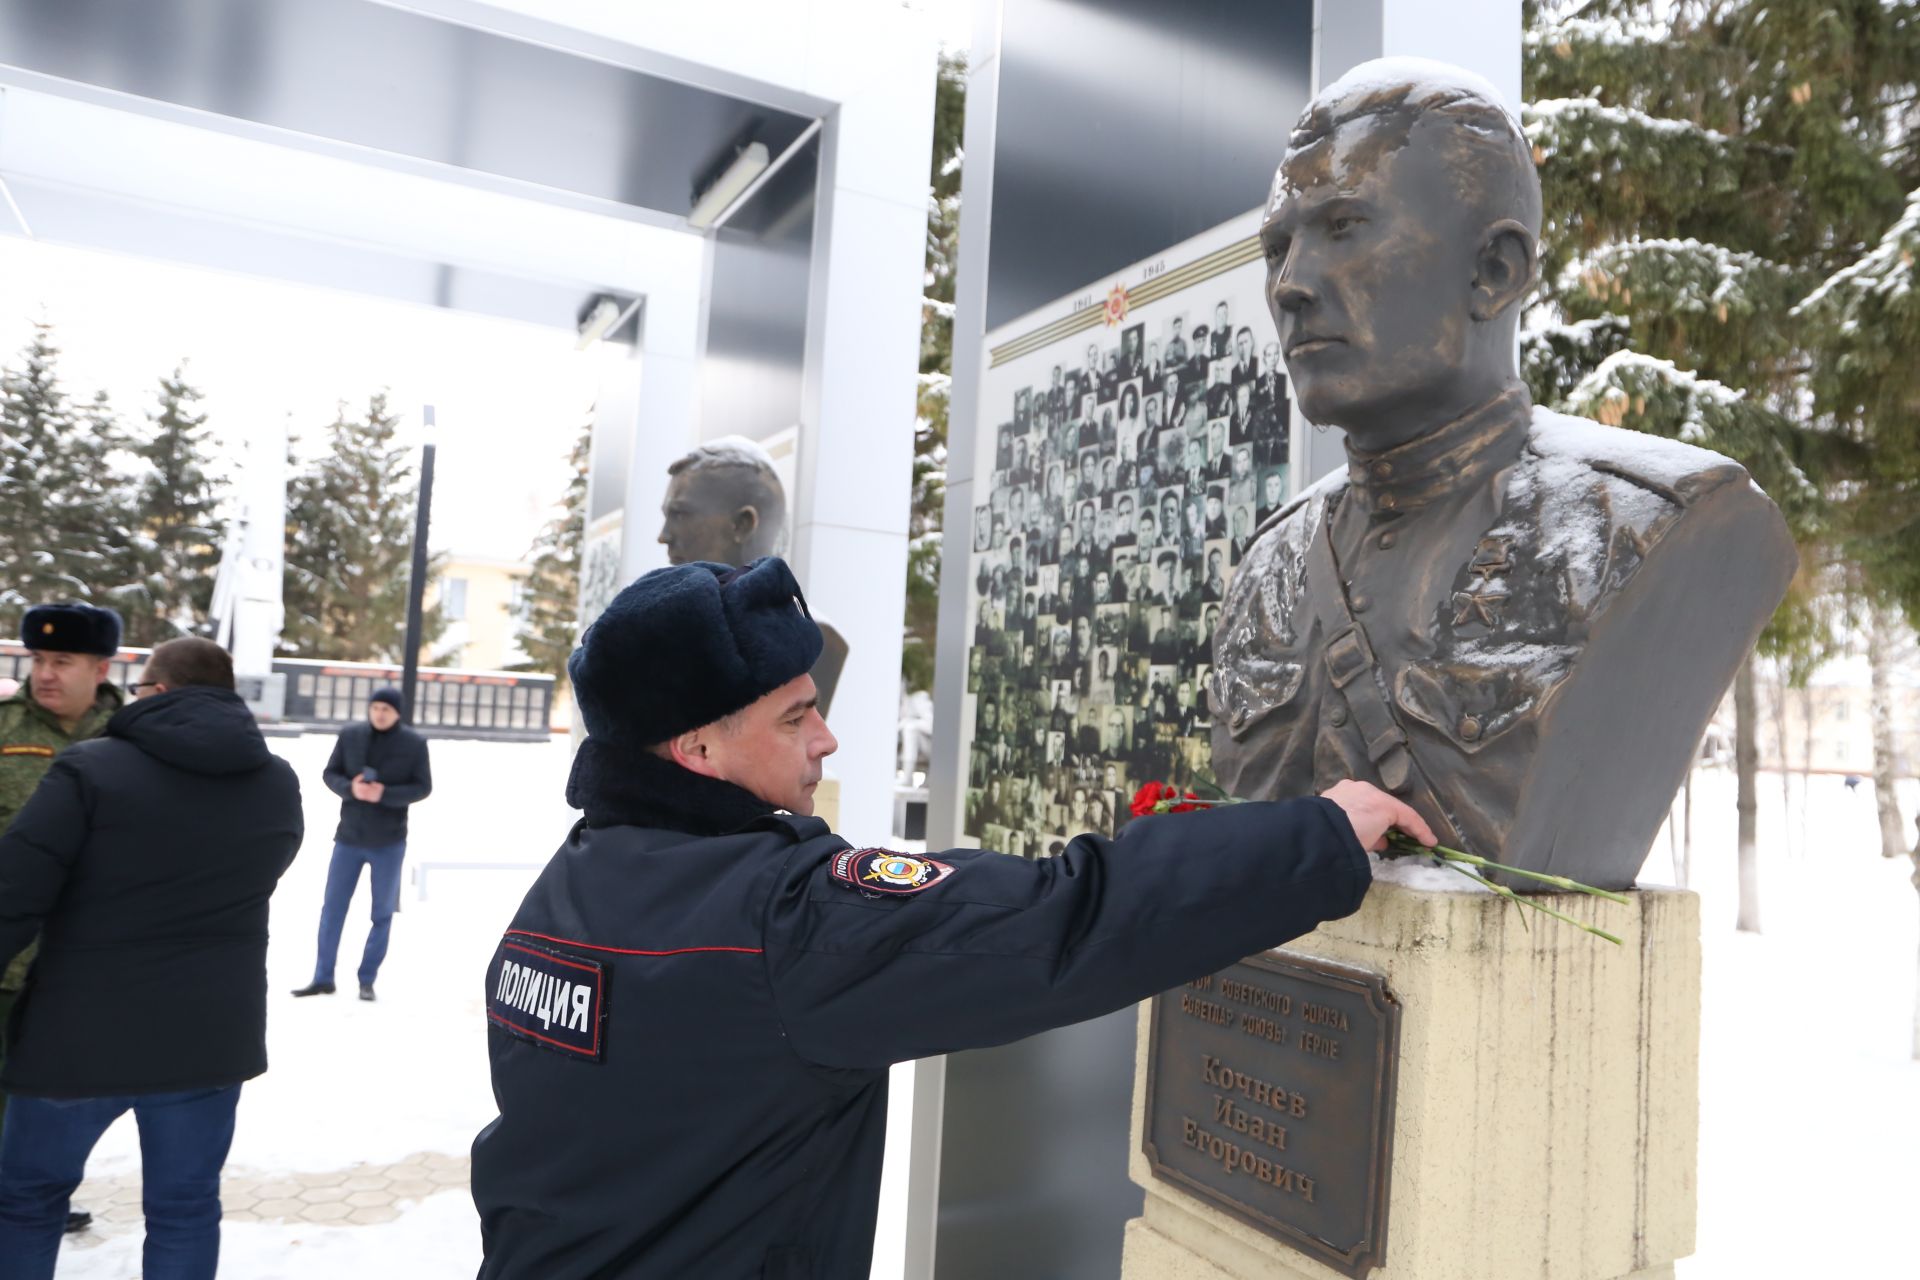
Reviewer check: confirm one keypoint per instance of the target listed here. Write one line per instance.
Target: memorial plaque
(1270, 1094)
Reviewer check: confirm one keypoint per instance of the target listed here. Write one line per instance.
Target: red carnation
(1147, 799)
(1158, 797)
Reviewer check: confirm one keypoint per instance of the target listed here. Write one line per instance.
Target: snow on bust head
(1423, 78)
(1388, 103)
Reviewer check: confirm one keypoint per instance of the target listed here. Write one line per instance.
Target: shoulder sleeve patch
(878, 871)
(548, 998)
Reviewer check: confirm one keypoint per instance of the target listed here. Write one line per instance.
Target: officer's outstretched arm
(877, 957)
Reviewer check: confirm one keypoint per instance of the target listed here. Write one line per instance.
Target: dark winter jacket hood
(198, 728)
(145, 862)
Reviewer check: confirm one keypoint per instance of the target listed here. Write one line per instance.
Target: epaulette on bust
(1679, 472)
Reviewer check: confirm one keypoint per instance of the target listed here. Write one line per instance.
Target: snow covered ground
(1810, 1106)
(1809, 1099)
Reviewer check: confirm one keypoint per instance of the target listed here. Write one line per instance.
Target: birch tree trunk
(1781, 749)
(1916, 987)
(1686, 824)
(1746, 753)
(1806, 762)
(1673, 843)
(1882, 627)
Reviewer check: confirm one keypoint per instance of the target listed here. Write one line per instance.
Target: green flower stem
(1402, 845)
(1500, 889)
(1598, 933)
(1519, 901)
(1407, 845)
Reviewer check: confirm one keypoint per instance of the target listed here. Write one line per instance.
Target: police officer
(67, 698)
(692, 1014)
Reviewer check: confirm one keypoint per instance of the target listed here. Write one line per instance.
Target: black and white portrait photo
(1130, 467)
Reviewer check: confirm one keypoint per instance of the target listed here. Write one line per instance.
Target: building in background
(479, 597)
(1827, 727)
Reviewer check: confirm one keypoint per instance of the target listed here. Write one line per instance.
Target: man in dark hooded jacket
(379, 768)
(691, 1017)
(144, 862)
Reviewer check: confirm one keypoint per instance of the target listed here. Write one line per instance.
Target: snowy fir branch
(1554, 122)
(1684, 275)
(1885, 271)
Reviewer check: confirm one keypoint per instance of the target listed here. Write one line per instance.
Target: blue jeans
(183, 1142)
(343, 874)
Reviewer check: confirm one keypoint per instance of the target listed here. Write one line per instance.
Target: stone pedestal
(1548, 1098)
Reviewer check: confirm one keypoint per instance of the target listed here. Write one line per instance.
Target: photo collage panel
(1125, 487)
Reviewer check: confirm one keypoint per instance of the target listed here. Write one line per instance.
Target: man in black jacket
(144, 862)
(378, 768)
(691, 1017)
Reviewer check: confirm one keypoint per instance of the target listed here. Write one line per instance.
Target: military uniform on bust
(1436, 617)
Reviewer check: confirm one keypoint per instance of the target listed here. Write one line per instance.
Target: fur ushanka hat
(683, 646)
(72, 628)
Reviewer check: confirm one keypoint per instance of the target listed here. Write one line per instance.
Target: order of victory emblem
(1116, 305)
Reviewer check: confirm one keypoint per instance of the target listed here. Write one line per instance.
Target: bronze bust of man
(1517, 620)
(725, 505)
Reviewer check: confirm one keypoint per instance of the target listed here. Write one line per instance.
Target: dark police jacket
(398, 757)
(145, 860)
(692, 1014)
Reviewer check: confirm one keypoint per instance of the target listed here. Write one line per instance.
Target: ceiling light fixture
(737, 177)
(606, 315)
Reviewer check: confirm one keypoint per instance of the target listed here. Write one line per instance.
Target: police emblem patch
(549, 999)
(884, 871)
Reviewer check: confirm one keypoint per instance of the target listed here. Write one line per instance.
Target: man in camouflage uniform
(66, 699)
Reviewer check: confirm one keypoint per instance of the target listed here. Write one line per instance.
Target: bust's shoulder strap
(1679, 472)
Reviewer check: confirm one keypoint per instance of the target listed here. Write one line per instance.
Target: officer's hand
(1373, 813)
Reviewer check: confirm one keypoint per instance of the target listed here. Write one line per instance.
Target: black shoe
(315, 989)
(366, 991)
(78, 1220)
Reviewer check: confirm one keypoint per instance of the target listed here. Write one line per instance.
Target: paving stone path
(361, 1195)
